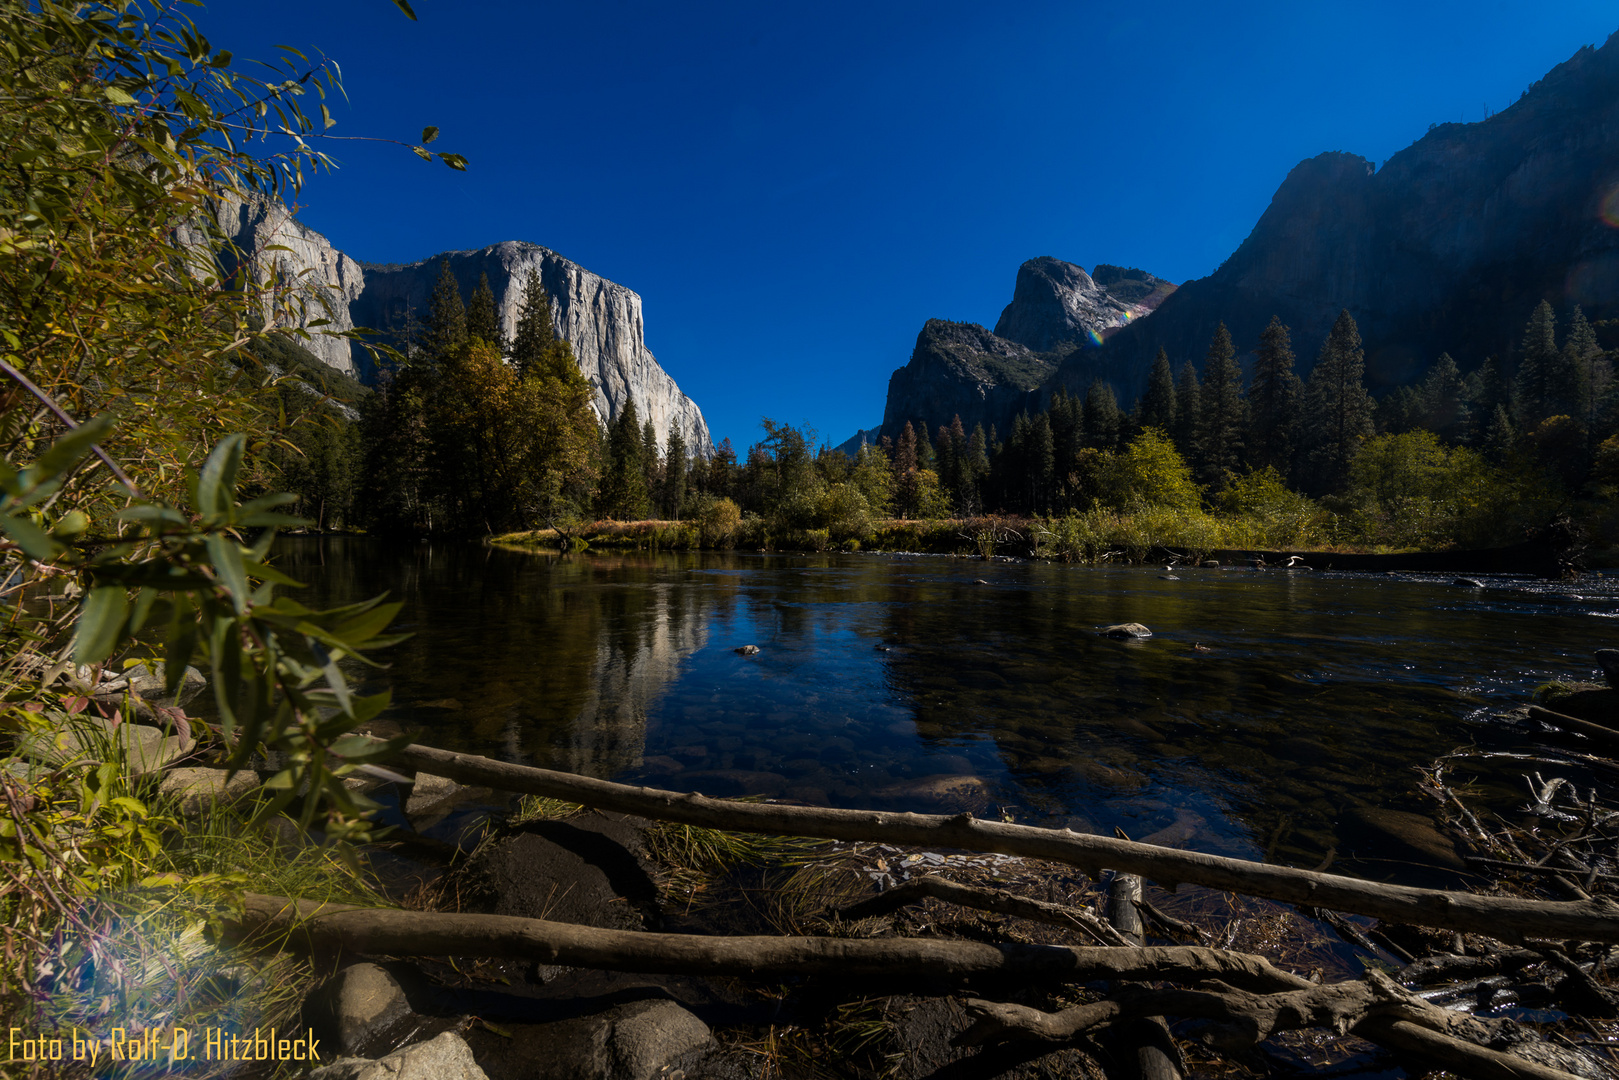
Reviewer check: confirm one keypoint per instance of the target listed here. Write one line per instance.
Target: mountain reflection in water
(904, 683)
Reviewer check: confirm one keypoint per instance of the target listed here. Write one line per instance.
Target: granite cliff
(602, 320)
(987, 378)
(1448, 247)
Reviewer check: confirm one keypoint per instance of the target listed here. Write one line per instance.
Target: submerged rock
(1126, 631)
(747, 650)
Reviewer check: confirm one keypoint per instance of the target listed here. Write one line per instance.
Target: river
(1272, 714)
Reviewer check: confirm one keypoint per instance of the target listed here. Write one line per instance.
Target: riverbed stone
(1414, 833)
(357, 1004)
(84, 738)
(151, 684)
(427, 792)
(634, 1040)
(1608, 661)
(1126, 631)
(590, 870)
(446, 1057)
(748, 650)
(199, 789)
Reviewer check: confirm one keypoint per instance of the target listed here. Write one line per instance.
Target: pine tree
(1498, 436)
(975, 472)
(925, 457)
(1042, 463)
(651, 466)
(1443, 410)
(1539, 377)
(1187, 395)
(623, 490)
(1157, 407)
(1275, 399)
(905, 472)
(1584, 357)
(534, 331)
(1490, 390)
(1102, 419)
(948, 455)
(483, 320)
(447, 317)
(1221, 413)
(674, 473)
(1338, 411)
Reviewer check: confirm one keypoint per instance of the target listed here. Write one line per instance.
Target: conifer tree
(925, 457)
(948, 455)
(1157, 408)
(1338, 411)
(483, 321)
(1537, 374)
(1042, 463)
(1102, 419)
(1221, 412)
(447, 317)
(1490, 391)
(1591, 369)
(906, 481)
(674, 473)
(1499, 436)
(1187, 395)
(623, 490)
(1444, 412)
(651, 466)
(1275, 400)
(534, 330)
(975, 472)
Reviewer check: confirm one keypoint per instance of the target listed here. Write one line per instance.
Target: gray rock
(198, 789)
(446, 1057)
(357, 1004)
(94, 738)
(149, 683)
(600, 319)
(1126, 631)
(635, 1040)
(1056, 302)
(1608, 661)
(748, 650)
(427, 792)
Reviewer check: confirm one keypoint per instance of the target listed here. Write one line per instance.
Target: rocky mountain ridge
(602, 320)
(1448, 247)
(963, 369)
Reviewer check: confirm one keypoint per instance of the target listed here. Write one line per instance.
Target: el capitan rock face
(1448, 247)
(322, 281)
(600, 319)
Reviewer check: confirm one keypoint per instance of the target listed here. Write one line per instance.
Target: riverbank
(1146, 537)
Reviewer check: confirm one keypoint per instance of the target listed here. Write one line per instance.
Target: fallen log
(998, 901)
(277, 920)
(1593, 919)
(1373, 1008)
(1605, 737)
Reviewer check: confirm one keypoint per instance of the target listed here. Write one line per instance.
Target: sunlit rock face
(962, 369)
(1447, 247)
(602, 320)
(312, 281)
(1057, 304)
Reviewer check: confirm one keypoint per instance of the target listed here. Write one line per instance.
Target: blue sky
(795, 189)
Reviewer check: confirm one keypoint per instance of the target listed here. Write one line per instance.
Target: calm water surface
(905, 683)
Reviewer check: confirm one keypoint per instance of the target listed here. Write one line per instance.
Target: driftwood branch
(1595, 919)
(999, 901)
(273, 920)
(1373, 1008)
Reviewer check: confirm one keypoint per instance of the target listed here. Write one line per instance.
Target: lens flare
(1610, 207)
(1096, 339)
